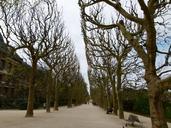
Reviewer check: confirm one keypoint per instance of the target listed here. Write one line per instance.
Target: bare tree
(35, 30)
(143, 40)
(114, 48)
(57, 62)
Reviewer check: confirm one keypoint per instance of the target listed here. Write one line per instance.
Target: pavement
(84, 116)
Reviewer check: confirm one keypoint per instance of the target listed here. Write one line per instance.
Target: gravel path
(84, 116)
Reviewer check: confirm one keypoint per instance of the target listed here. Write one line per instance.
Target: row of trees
(127, 51)
(36, 28)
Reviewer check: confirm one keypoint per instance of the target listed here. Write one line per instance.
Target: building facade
(8, 63)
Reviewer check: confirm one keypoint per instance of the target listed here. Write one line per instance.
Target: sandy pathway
(85, 116)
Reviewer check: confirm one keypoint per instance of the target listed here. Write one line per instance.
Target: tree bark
(102, 104)
(156, 106)
(120, 104)
(109, 104)
(157, 114)
(115, 104)
(114, 96)
(69, 97)
(48, 97)
(119, 92)
(56, 95)
(155, 91)
(30, 102)
(48, 102)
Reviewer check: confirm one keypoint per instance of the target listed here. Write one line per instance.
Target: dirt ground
(84, 116)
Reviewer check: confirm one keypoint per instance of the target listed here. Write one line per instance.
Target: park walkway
(84, 116)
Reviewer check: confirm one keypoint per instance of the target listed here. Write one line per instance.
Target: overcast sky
(71, 17)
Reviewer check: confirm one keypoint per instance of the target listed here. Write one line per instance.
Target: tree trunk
(115, 104)
(69, 97)
(157, 114)
(109, 105)
(30, 102)
(119, 92)
(156, 106)
(47, 102)
(48, 91)
(101, 103)
(56, 95)
(120, 105)
(114, 96)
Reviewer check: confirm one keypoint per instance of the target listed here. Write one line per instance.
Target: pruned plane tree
(145, 27)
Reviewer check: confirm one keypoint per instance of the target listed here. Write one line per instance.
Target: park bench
(132, 119)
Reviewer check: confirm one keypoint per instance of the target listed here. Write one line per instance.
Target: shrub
(167, 110)
(128, 105)
(141, 105)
